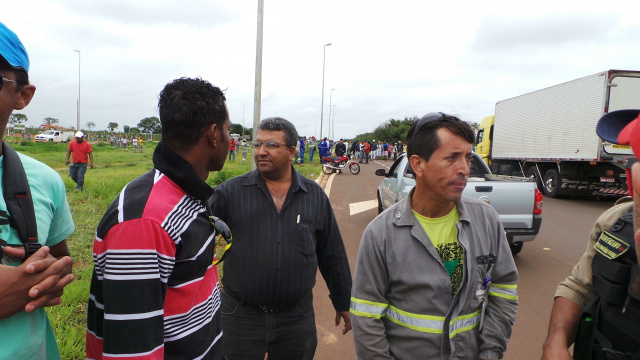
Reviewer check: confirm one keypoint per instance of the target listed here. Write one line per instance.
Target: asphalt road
(542, 264)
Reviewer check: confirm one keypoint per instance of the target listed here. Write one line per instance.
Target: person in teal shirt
(28, 285)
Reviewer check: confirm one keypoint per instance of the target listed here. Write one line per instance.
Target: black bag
(17, 196)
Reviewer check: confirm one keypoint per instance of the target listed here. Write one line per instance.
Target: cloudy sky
(388, 59)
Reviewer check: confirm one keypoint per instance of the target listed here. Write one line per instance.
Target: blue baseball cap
(621, 127)
(12, 50)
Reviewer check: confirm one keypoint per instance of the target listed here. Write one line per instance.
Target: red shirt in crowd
(80, 151)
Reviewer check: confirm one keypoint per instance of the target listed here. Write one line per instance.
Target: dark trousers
(76, 171)
(250, 332)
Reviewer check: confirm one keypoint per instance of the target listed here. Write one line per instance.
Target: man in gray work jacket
(435, 278)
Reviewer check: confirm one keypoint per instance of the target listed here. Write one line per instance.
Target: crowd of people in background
(122, 142)
(362, 151)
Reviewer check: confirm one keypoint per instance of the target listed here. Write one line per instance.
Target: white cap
(79, 134)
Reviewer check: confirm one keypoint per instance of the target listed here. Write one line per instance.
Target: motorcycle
(337, 164)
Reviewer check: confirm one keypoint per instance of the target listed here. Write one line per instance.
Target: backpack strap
(17, 196)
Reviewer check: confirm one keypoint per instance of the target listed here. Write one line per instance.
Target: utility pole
(257, 95)
(322, 101)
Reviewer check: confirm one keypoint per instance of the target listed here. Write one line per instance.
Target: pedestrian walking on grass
(82, 154)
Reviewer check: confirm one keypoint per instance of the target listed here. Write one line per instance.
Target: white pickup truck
(516, 199)
(56, 136)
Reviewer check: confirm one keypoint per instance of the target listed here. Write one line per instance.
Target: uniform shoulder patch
(611, 246)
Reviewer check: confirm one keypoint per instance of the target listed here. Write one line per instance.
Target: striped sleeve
(129, 285)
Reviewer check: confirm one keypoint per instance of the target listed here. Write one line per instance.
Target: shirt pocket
(304, 239)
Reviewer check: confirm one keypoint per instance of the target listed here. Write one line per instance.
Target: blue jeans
(250, 332)
(311, 151)
(76, 171)
(232, 153)
(301, 156)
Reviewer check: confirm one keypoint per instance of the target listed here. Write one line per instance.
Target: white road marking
(356, 208)
(327, 187)
(377, 162)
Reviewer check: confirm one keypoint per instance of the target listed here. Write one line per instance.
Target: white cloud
(387, 59)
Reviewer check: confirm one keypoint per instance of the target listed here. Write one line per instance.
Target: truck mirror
(380, 172)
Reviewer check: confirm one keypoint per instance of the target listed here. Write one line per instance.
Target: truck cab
(483, 139)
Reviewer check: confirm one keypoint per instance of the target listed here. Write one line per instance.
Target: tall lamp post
(330, 126)
(78, 128)
(324, 50)
(257, 93)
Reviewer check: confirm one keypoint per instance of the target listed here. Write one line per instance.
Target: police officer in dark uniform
(598, 305)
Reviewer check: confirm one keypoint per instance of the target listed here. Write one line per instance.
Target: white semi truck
(550, 134)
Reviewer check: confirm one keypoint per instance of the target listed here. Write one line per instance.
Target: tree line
(393, 130)
(147, 125)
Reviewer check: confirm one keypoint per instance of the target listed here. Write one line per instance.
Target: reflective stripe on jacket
(401, 297)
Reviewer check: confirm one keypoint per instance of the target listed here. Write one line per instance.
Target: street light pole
(257, 93)
(78, 128)
(330, 127)
(324, 50)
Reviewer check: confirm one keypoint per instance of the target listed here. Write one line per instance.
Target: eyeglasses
(225, 233)
(3, 79)
(270, 145)
(433, 116)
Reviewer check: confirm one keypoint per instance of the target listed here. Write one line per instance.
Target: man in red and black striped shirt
(154, 292)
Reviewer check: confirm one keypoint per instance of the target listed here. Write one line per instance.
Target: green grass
(113, 169)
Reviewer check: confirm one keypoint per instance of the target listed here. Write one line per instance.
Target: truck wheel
(551, 183)
(534, 172)
(380, 209)
(50, 140)
(516, 247)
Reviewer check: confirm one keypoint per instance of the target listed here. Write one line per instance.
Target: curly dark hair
(280, 124)
(187, 106)
(426, 141)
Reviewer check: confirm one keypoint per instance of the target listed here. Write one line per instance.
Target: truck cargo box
(558, 122)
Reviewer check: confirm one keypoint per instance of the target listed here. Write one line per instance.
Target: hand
(66, 162)
(347, 321)
(91, 166)
(38, 282)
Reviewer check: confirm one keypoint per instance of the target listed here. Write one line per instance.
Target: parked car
(516, 199)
